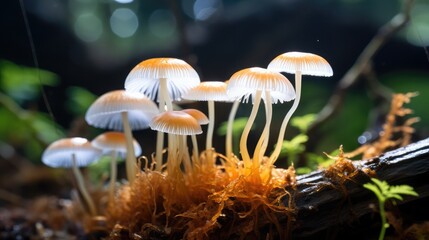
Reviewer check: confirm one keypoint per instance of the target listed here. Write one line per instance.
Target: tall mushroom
(73, 153)
(121, 110)
(258, 83)
(114, 143)
(298, 63)
(164, 79)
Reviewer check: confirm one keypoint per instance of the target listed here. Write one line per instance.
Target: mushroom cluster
(177, 186)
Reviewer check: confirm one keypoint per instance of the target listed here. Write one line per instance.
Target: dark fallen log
(324, 207)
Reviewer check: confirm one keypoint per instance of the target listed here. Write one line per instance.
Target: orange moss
(342, 169)
(198, 203)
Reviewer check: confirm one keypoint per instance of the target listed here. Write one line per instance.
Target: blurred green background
(87, 47)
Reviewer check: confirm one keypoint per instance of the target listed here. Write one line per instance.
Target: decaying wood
(322, 204)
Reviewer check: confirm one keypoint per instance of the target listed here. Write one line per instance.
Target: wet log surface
(324, 207)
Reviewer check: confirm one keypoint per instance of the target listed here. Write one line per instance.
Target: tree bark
(323, 205)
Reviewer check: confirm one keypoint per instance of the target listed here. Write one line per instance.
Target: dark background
(75, 41)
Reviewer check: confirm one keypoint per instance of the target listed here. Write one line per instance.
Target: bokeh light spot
(124, 1)
(124, 22)
(417, 32)
(88, 27)
(203, 9)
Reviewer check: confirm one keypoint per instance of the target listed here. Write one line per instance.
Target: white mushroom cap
(105, 112)
(307, 63)
(59, 153)
(115, 141)
(176, 122)
(198, 115)
(244, 83)
(208, 91)
(145, 77)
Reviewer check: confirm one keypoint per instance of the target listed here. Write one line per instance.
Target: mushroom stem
(82, 189)
(261, 146)
(279, 143)
(165, 104)
(170, 158)
(163, 89)
(113, 174)
(210, 127)
(131, 157)
(195, 151)
(231, 117)
(184, 154)
(172, 161)
(159, 146)
(243, 141)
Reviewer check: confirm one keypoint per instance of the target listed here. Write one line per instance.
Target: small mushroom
(121, 110)
(263, 84)
(114, 143)
(209, 91)
(165, 79)
(202, 120)
(298, 63)
(176, 123)
(73, 153)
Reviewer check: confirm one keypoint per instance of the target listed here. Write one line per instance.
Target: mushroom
(73, 153)
(121, 110)
(165, 79)
(298, 63)
(176, 123)
(263, 84)
(208, 91)
(114, 143)
(202, 120)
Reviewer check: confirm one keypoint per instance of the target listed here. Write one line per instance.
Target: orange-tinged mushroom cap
(208, 91)
(145, 77)
(106, 111)
(198, 115)
(114, 141)
(245, 83)
(307, 63)
(59, 153)
(176, 122)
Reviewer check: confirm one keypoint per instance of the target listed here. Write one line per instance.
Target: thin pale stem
(261, 146)
(210, 127)
(171, 159)
(164, 99)
(82, 189)
(159, 147)
(130, 157)
(243, 141)
(195, 151)
(184, 154)
(231, 118)
(113, 174)
(160, 135)
(164, 93)
(282, 132)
